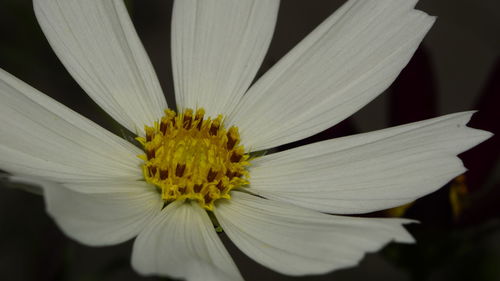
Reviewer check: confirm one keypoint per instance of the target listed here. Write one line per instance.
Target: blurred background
(457, 68)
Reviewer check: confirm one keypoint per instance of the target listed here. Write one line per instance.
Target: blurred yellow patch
(459, 199)
(399, 211)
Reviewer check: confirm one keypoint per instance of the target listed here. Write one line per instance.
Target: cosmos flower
(194, 168)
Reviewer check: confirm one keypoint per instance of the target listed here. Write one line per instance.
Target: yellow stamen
(188, 157)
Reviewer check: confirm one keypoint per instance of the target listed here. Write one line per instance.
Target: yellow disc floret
(188, 157)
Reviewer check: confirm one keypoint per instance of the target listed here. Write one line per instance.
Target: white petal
(297, 241)
(342, 65)
(371, 171)
(110, 186)
(217, 47)
(178, 241)
(103, 219)
(97, 43)
(40, 137)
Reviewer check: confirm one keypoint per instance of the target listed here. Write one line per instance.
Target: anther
(207, 198)
(179, 170)
(220, 186)
(163, 174)
(152, 171)
(199, 118)
(230, 142)
(163, 127)
(150, 154)
(187, 122)
(213, 130)
(235, 157)
(197, 188)
(211, 175)
(188, 118)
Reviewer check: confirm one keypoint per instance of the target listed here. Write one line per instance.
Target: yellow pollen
(188, 157)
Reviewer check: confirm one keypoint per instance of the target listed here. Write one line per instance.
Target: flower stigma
(188, 157)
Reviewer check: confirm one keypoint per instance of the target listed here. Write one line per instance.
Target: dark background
(457, 68)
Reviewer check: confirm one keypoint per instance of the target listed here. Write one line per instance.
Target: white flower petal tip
(348, 60)
(98, 45)
(40, 137)
(371, 171)
(296, 241)
(102, 219)
(181, 243)
(217, 48)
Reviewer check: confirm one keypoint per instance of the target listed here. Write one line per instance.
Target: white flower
(100, 193)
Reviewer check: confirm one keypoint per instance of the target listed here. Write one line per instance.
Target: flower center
(188, 157)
